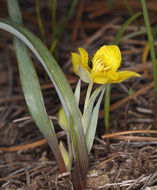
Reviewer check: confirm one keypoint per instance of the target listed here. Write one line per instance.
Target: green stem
(107, 114)
(134, 34)
(88, 95)
(150, 39)
(152, 52)
(107, 106)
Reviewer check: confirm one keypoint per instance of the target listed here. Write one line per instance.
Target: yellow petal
(84, 58)
(76, 60)
(109, 56)
(123, 75)
(115, 77)
(99, 77)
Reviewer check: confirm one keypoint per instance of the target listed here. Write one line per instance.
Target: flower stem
(107, 114)
(106, 107)
(88, 95)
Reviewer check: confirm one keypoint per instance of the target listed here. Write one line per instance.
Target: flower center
(99, 66)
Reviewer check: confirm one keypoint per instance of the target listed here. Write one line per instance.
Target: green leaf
(77, 92)
(66, 156)
(152, 49)
(63, 89)
(88, 111)
(32, 91)
(93, 123)
(62, 119)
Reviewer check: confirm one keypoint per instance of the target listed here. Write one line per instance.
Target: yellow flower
(105, 64)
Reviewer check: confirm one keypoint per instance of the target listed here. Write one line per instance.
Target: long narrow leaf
(77, 92)
(152, 53)
(88, 111)
(93, 123)
(31, 89)
(150, 40)
(62, 87)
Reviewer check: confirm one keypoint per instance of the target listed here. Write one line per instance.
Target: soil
(119, 161)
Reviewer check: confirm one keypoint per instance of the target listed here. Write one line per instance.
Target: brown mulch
(128, 160)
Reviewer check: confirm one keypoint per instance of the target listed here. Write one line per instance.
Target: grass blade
(93, 123)
(152, 52)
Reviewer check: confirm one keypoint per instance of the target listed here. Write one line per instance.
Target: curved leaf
(62, 87)
(90, 134)
(77, 92)
(88, 111)
(31, 89)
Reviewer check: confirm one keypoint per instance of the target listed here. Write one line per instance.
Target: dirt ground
(126, 160)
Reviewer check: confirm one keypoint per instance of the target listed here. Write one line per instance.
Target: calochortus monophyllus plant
(105, 64)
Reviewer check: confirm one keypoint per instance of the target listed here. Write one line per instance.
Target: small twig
(23, 147)
(150, 180)
(125, 183)
(135, 183)
(29, 117)
(129, 132)
(135, 138)
(21, 172)
(31, 145)
(65, 174)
